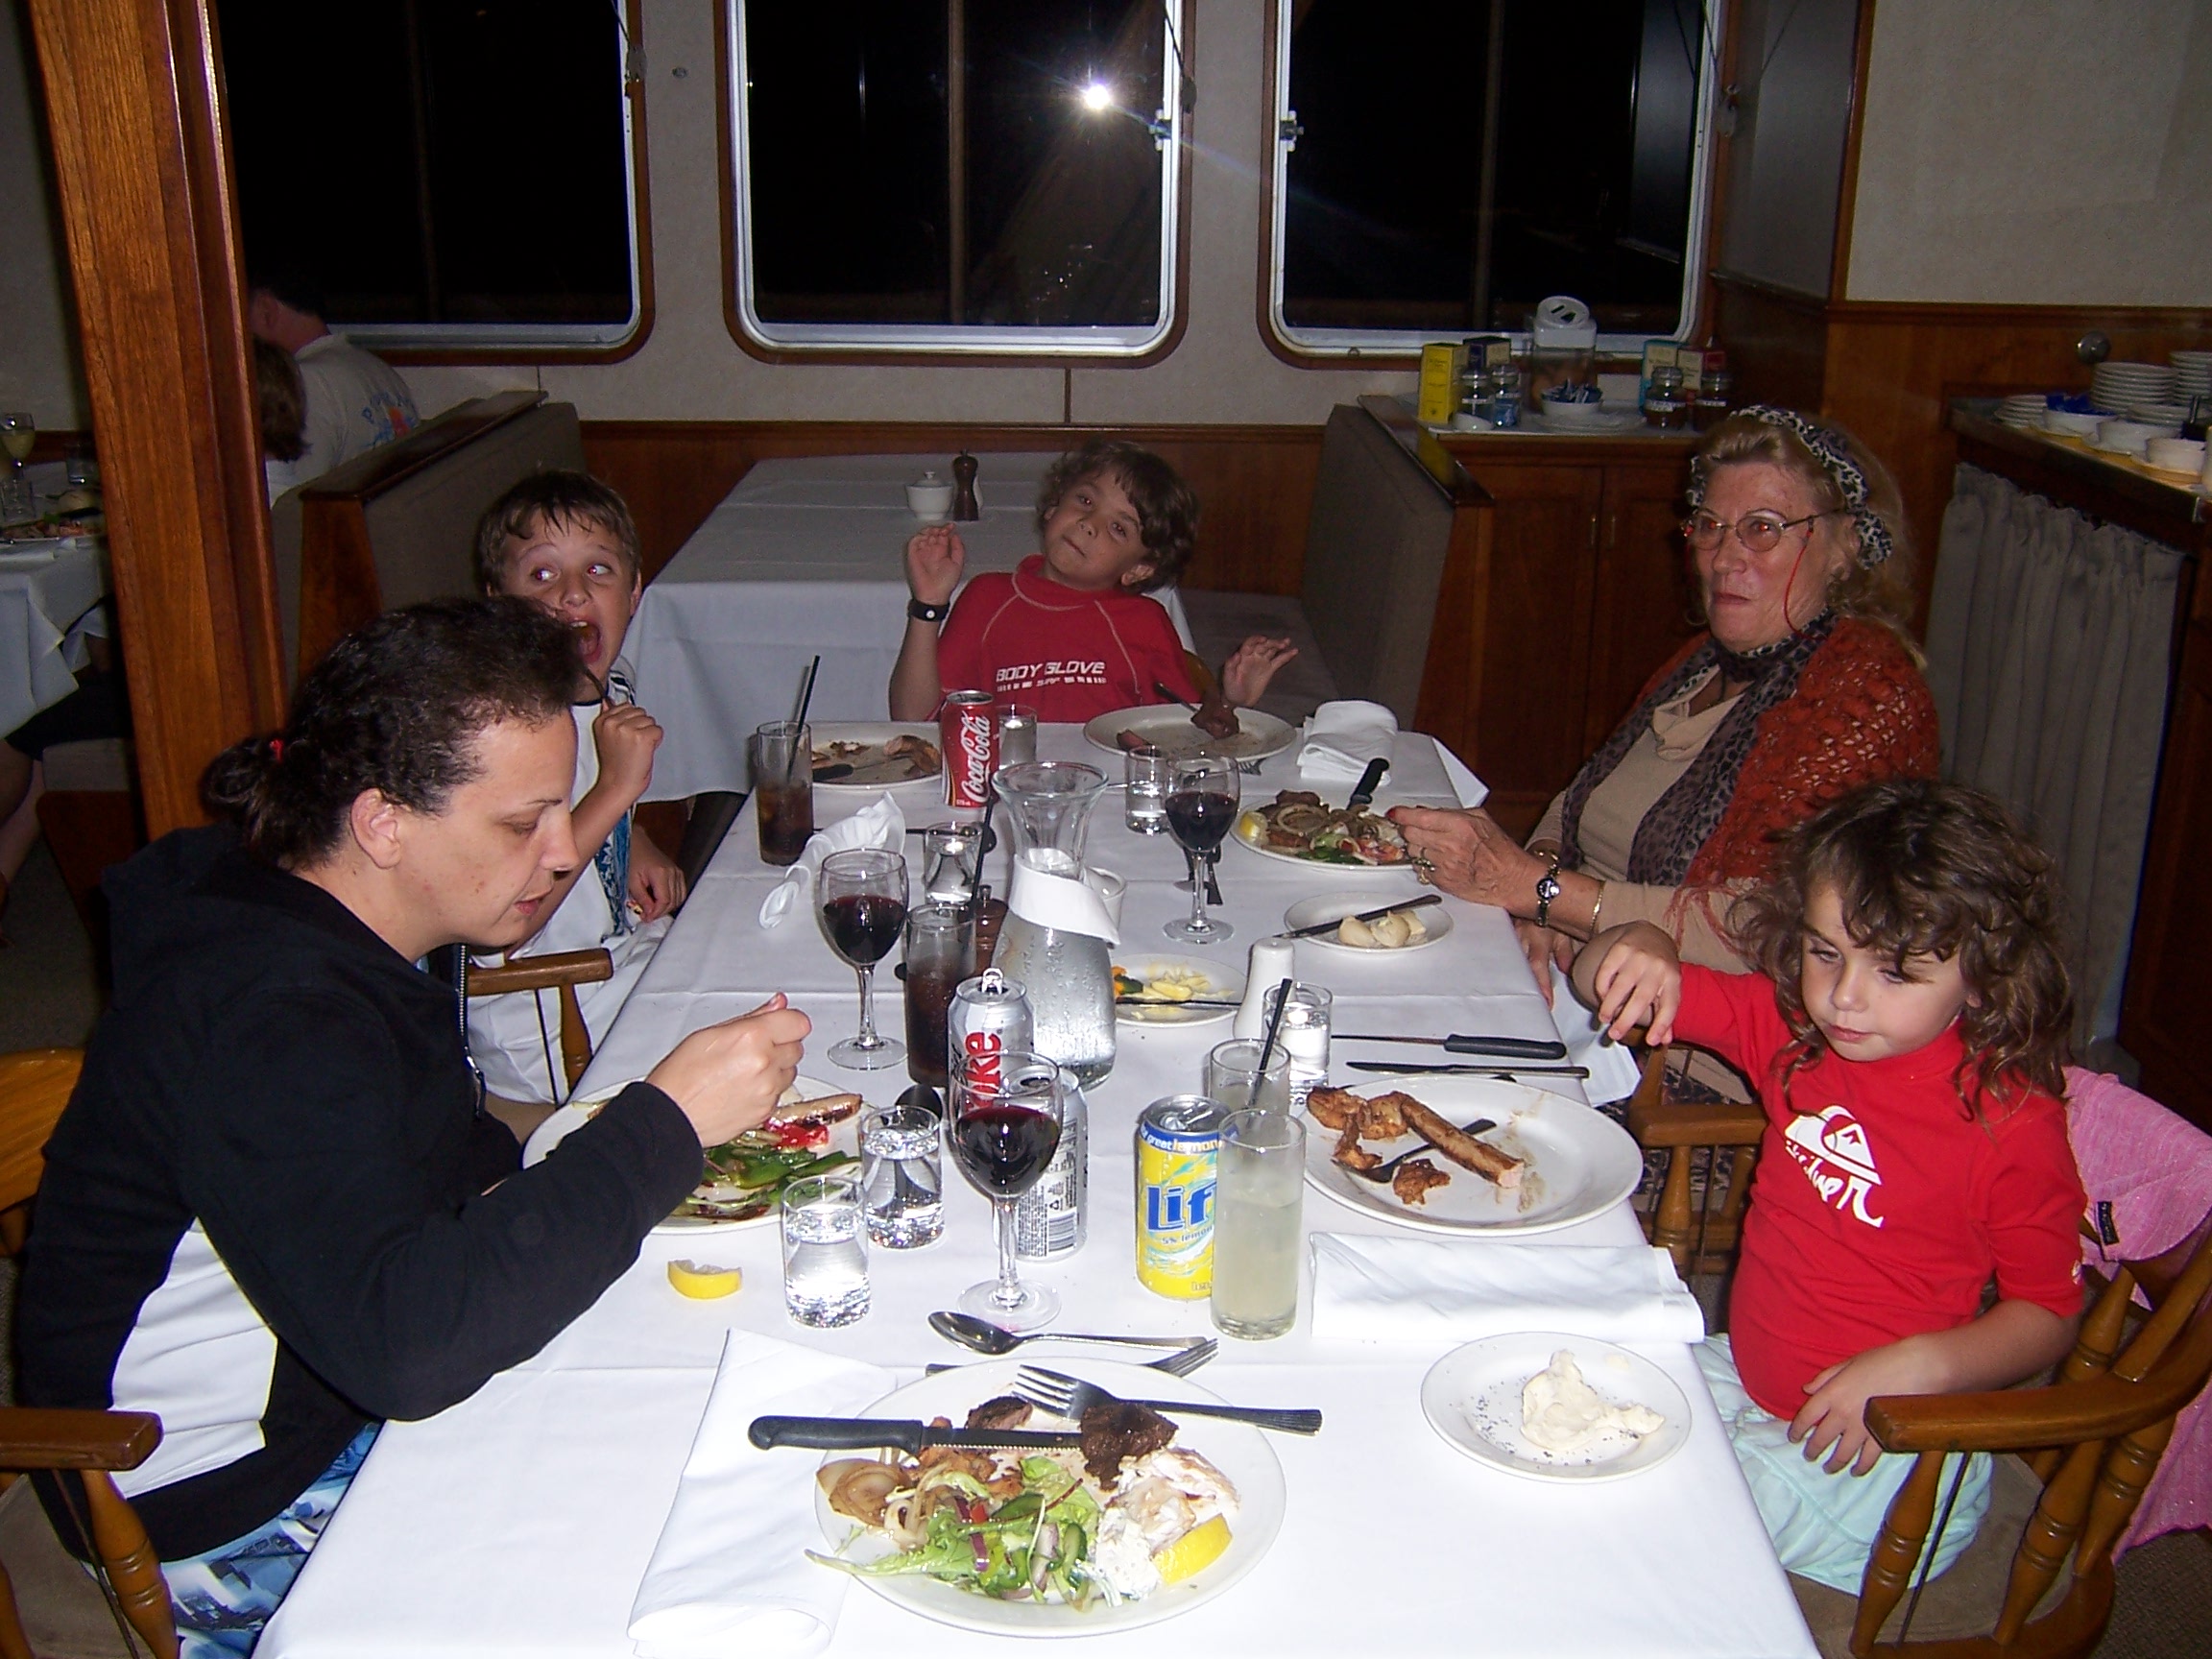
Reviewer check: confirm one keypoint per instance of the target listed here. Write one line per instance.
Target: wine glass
(18, 432)
(1201, 804)
(1006, 1121)
(863, 912)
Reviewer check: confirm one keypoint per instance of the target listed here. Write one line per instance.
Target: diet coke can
(989, 1020)
(969, 731)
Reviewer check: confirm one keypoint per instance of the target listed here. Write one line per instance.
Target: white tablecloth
(520, 1522)
(42, 594)
(802, 557)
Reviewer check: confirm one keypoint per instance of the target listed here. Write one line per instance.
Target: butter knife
(1512, 1047)
(910, 1435)
(1502, 1068)
(1321, 928)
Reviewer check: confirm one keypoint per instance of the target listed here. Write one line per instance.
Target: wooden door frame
(149, 207)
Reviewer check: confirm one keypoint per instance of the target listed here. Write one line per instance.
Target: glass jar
(1664, 404)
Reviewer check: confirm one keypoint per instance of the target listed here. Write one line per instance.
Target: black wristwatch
(1546, 890)
(922, 613)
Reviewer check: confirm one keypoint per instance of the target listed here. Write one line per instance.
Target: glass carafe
(1058, 936)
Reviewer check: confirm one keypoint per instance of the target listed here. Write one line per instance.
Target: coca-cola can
(969, 732)
(988, 1021)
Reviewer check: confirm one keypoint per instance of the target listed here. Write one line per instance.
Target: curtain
(2048, 636)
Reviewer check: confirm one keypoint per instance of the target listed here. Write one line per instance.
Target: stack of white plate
(2192, 375)
(2121, 386)
(2023, 410)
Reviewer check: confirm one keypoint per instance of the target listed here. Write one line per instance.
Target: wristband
(925, 613)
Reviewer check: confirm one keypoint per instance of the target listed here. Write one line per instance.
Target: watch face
(1548, 887)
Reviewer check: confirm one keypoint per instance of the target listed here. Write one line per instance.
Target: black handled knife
(1321, 928)
(1512, 1047)
(1500, 1069)
(910, 1435)
(1369, 780)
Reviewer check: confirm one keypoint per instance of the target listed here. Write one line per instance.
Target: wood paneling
(1643, 610)
(133, 104)
(1255, 484)
(1777, 341)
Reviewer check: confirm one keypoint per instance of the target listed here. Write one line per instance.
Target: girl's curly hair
(1167, 506)
(1922, 867)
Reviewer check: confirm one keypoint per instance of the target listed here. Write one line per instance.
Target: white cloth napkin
(729, 1573)
(1342, 737)
(878, 824)
(1091, 905)
(1444, 1290)
(1613, 1071)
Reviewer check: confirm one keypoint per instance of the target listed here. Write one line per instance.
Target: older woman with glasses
(1804, 687)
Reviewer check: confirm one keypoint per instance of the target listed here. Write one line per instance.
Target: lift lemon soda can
(1178, 1140)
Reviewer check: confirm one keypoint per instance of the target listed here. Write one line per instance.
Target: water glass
(824, 1251)
(1304, 1034)
(1229, 1079)
(952, 859)
(1259, 1183)
(1146, 802)
(940, 953)
(1017, 724)
(781, 757)
(902, 1179)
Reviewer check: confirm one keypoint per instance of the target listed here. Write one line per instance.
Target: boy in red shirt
(1071, 633)
(1906, 1033)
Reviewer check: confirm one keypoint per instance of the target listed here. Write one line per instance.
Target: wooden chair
(562, 970)
(34, 1088)
(1697, 1225)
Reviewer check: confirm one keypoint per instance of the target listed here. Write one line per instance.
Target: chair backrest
(35, 1084)
(1375, 552)
(395, 525)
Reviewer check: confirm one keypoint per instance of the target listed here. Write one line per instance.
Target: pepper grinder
(965, 509)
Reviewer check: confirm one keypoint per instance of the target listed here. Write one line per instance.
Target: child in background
(566, 540)
(1071, 632)
(1906, 1032)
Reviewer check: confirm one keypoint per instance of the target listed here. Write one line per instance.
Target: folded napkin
(1342, 737)
(729, 1573)
(1438, 1290)
(1613, 1071)
(878, 824)
(1090, 905)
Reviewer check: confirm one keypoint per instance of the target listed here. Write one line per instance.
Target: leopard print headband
(1827, 447)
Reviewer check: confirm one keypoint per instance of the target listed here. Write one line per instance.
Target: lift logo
(1831, 1147)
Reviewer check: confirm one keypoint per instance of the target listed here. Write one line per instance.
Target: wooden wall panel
(1777, 341)
(1255, 484)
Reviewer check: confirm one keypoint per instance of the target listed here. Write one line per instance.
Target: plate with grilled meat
(856, 754)
(1172, 730)
(1303, 827)
(1545, 1160)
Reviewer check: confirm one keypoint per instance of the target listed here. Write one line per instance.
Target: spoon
(986, 1338)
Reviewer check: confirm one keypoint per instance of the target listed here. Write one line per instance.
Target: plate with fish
(1174, 981)
(853, 755)
(1168, 727)
(1549, 1406)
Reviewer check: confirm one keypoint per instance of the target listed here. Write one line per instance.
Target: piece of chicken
(1413, 1179)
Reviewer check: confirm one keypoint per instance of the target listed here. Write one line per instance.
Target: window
(1442, 165)
(959, 176)
(449, 173)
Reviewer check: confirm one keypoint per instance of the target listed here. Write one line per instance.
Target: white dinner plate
(1335, 907)
(1238, 1452)
(1251, 843)
(1471, 1397)
(1579, 1162)
(1222, 985)
(1168, 727)
(876, 733)
(844, 1136)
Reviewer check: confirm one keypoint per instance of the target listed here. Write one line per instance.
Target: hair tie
(1875, 543)
(276, 750)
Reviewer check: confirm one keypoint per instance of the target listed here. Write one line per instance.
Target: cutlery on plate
(910, 1435)
(1512, 1048)
(1321, 928)
(1381, 1172)
(1171, 1003)
(986, 1338)
(1368, 781)
(1180, 1364)
(1389, 1069)
(1066, 1396)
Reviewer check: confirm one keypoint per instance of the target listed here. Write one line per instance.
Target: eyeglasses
(1758, 532)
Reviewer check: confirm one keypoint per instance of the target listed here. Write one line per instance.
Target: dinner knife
(1321, 928)
(1368, 781)
(910, 1435)
(1512, 1048)
(1500, 1069)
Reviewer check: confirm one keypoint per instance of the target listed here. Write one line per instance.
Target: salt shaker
(1268, 966)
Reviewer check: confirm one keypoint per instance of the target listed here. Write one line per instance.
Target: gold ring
(1423, 869)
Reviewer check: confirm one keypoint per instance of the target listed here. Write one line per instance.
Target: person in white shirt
(355, 399)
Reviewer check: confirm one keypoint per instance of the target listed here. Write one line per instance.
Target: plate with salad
(1153, 1516)
(815, 1129)
(1301, 828)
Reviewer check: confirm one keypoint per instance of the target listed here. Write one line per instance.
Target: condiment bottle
(1270, 965)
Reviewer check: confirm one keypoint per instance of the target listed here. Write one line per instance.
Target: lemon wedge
(695, 1279)
(1195, 1552)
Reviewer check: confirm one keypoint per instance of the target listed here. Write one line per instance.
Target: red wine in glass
(863, 912)
(1003, 1149)
(863, 926)
(1202, 799)
(1200, 819)
(1005, 1127)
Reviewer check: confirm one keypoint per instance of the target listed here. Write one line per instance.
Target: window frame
(409, 344)
(1371, 347)
(953, 344)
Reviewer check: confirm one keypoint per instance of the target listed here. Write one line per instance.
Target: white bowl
(929, 498)
(2159, 414)
(2126, 437)
(2072, 426)
(2174, 454)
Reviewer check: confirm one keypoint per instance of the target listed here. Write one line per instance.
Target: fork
(1066, 1396)
(1180, 1364)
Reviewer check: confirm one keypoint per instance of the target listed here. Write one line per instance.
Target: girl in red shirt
(1906, 1035)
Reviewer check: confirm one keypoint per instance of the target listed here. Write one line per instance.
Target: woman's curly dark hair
(395, 706)
(1167, 506)
(1922, 867)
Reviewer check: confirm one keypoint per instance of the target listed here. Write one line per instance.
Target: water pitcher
(1058, 927)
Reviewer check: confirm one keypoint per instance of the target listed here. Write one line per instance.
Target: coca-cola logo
(975, 740)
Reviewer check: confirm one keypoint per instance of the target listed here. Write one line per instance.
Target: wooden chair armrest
(1672, 1123)
(542, 972)
(2009, 1419)
(38, 1438)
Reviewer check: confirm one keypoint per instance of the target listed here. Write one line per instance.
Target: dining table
(523, 1520)
(805, 557)
(48, 586)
